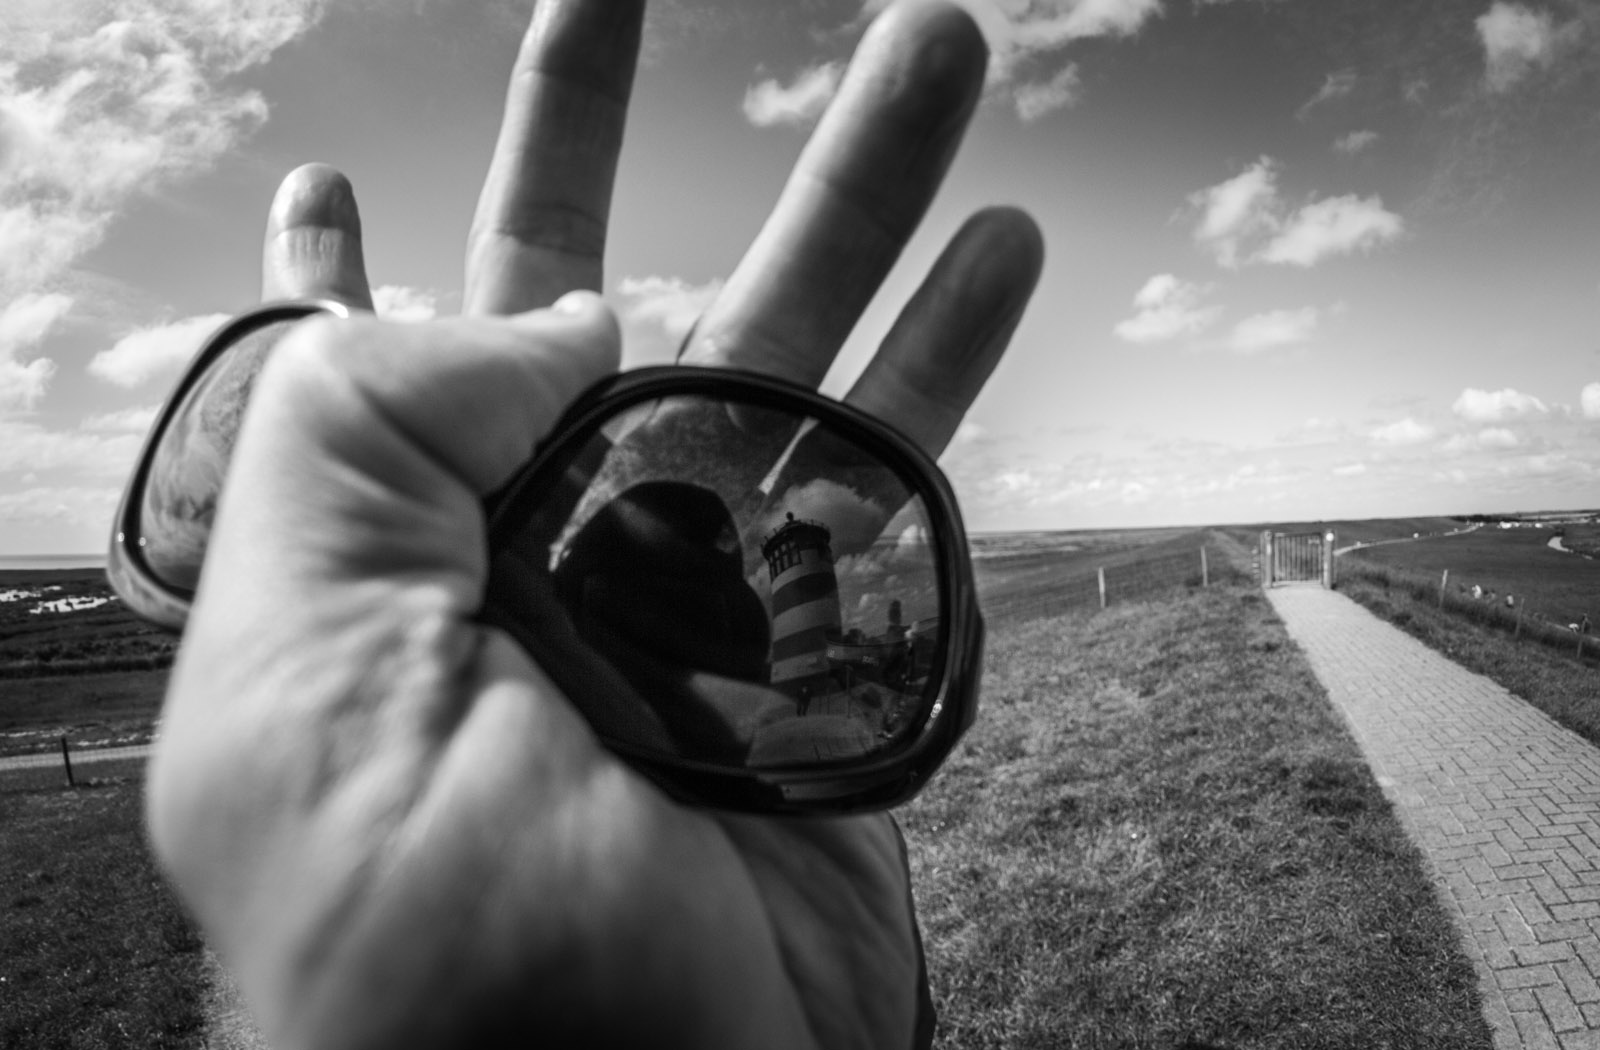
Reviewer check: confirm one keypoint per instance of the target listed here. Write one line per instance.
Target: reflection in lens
(767, 617)
(191, 459)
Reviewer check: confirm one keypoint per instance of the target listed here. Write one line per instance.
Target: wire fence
(1519, 617)
(1032, 587)
(68, 759)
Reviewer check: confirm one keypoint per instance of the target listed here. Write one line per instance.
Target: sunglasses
(758, 597)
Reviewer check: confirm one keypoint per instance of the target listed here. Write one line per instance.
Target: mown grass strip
(94, 949)
(1545, 674)
(1159, 834)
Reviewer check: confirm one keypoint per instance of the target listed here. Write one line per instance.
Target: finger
(951, 334)
(312, 248)
(859, 190)
(540, 227)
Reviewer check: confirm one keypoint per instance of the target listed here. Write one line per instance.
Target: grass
(1349, 531)
(94, 949)
(1159, 834)
(1554, 586)
(1540, 667)
(1046, 574)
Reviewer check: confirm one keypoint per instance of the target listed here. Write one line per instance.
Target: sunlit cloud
(1589, 399)
(23, 324)
(1167, 308)
(157, 352)
(1034, 99)
(1334, 226)
(99, 104)
(1027, 39)
(26, 447)
(1402, 432)
(798, 103)
(1337, 85)
(1489, 438)
(656, 314)
(1243, 219)
(1516, 39)
(135, 420)
(1272, 330)
(1349, 470)
(1485, 406)
(1355, 142)
(400, 303)
(1237, 209)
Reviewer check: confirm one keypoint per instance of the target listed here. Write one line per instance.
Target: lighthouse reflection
(766, 594)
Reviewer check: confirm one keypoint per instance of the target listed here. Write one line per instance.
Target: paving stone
(1559, 1008)
(1503, 803)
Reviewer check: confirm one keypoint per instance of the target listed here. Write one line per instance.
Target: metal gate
(1288, 557)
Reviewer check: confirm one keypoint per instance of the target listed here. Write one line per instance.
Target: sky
(1305, 260)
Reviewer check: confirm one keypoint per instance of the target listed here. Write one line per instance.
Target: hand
(391, 825)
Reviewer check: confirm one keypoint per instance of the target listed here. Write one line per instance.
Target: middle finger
(859, 190)
(540, 228)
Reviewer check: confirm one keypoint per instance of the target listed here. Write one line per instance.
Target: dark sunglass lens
(771, 602)
(190, 459)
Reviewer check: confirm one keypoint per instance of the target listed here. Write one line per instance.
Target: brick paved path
(1504, 803)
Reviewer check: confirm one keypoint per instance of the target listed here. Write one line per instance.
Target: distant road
(52, 759)
(1408, 539)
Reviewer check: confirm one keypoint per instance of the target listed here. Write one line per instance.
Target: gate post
(1266, 557)
(1327, 559)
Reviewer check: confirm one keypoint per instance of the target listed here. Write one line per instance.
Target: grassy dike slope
(1160, 834)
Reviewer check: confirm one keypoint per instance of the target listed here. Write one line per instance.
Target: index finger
(540, 227)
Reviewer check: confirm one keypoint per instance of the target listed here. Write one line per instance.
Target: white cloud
(23, 323)
(1515, 39)
(1166, 309)
(1026, 38)
(1034, 100)
(1355, 142)
(158, 352)
(1243, 219)
(1497, 437)
(400, 303)
(1484, 406)
(1590, 400)
(1403, 432)
(26, 447)
(1337, 85)
(799, 103)
(1236, 209)
(1350, 470)
(98, 105)
(657, 313)
(1273, 329)
(1333, 226)
(135, 420)
(84, 507)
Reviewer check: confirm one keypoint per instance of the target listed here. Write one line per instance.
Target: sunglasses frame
(875, 781)
(130, 575)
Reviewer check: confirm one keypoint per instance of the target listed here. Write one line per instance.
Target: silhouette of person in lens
(655, 582)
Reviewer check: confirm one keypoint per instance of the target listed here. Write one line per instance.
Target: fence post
(1102, 575)
(1444, 581)
(66, 760)
(1327, 559)
(1205, 572)
(1266, 557)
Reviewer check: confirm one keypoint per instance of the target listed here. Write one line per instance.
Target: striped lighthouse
(805, 604)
